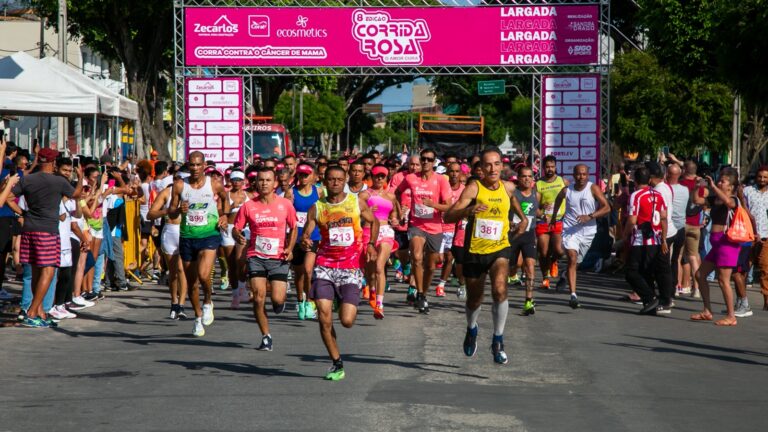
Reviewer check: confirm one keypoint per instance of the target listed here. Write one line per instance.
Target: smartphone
(2, 134)
(76, 163)
(665, 150)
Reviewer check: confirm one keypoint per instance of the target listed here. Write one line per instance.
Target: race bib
(341, 236)
(386, 232)
(267, 246)
(302, 218)
(197, 218)
(488, 229)
(423, 212)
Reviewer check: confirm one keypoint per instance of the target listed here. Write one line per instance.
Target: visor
(379, 170)
(237, 175)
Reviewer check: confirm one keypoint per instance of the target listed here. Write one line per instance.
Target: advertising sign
(393, 36)
(214, 119)
(570, 110)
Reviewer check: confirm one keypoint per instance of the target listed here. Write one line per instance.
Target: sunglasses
(379, 176)
(427, 160)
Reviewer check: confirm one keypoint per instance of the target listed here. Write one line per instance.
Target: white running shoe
(199, 330)
(5, 295)
(80, 301)
(65, 312)
(56, 313)
(208, 314)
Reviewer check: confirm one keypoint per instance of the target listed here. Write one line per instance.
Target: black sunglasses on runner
(426, 159)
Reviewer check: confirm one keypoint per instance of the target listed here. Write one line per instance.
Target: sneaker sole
(743, 315)
(335, 378)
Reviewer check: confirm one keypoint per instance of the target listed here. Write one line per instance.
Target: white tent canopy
(29, 86)
(119, 106)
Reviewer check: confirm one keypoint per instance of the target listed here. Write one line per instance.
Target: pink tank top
(381, 206)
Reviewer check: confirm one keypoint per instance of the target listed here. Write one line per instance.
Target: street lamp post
(348, 120)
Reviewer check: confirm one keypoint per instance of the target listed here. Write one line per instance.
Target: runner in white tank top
(584, 204)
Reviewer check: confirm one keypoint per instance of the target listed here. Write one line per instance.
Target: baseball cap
(153, 153)
(304, 169)
(47, 155)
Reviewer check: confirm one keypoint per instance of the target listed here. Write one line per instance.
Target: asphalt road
(124, 366)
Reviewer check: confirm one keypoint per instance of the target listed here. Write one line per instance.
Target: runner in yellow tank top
(487, 204)
(550, 244)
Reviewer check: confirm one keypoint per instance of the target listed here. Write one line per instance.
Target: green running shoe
(514, 280)
(529, 308)
(310, 310)
(335, 372)
(302, 310)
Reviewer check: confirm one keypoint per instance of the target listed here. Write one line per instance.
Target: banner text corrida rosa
(374, 37)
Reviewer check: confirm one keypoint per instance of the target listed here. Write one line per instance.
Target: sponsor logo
(258, 25)
(580, 50)
(391, 41)
(221, 27)
(303, 31)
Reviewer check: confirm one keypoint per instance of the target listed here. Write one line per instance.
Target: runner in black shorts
(525, 243)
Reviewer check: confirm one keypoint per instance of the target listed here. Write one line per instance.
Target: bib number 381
(488, 229)
(341, 236)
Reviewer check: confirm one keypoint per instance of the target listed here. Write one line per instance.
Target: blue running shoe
(266, 343)
(497, 348)
(470, 342)
(35, 322)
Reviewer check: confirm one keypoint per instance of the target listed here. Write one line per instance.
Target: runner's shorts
(434, 241)
(458, 253)
(401, 237)
(146, 228)
(190, 248)
(169, 240)
(477, 265)
(299, 254)
(578, 241)
(525, 244)
(271, 269)
(543, 228)
(226, 237)
(40, 249)
(332, 283)
(447, 242)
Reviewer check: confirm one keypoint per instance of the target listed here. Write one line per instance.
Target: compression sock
(499, 312)
(472, 316)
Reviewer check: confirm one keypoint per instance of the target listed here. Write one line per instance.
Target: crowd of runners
(333, 228)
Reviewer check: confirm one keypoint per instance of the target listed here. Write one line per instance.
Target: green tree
(717, 41)
(324, 115)
(139, 35)
(653, 107)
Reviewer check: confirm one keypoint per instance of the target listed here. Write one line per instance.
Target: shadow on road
(238, 368)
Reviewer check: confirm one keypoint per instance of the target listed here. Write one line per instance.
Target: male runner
(487, 204)
(305, 195)
(585, 203)
(272, 221)
(356, 182)
(199, 236)
(457, 187)
(403, 265)
(550, 237)
(525, 244)
(431, 195)
(337, 275)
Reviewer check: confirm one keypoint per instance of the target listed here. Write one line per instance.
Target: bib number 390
(341, 236)
(196, 218)
(488, 229)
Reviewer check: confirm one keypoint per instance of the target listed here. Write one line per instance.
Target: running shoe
(514, 280)
(245, 294)
(686, 291)
(235, 299)
(55, 313)
(574, 302)
(266, 343)
(310, 310)
(74, 306)
(300, 310)
(562, 285)
(545, 284)
(499, 356)
(224, 283)
(387, 288)
(174, 312)
(278, 308)
(649, 308)
(199, 329)
(440, 290)
(470, 342)
(5, 295)
(410, 298)
(208, 314)
(90, 296)
(423, 304)
(181, 315)
(66, 313)
(553, 270)
(663, 310)
(35, 322)
(22, 315)
(366, 292)
(529, 308)
(407, 270)
(399, 277)
(743, 310)
(461, 293)
(696, 293)
(378, 311)
(335, 372)
(100, 295)
(80, 301)
(372, 300)
(51, 323)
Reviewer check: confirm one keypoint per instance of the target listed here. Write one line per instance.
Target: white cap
(237, 175)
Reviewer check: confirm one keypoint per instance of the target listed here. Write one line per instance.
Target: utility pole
(62, 27)
(301, 119)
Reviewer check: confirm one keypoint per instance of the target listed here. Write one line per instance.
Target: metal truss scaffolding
(250, 73)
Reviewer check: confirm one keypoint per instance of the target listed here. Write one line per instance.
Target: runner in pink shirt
(403, 270)
(431, 195)
(272, 222)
